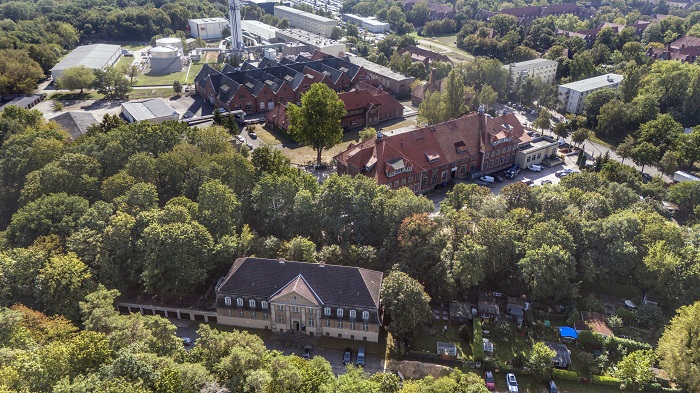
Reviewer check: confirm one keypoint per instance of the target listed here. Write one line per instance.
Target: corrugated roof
(95, 56)
(150, 109)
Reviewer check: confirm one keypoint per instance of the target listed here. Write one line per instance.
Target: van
(487, 179)
(360, 357)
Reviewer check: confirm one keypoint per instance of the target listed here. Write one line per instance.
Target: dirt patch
(417, 370)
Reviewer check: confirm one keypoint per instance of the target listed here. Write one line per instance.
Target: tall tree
(625, 148)
(454, 95)
(406, 303)
(635, 369)
(19, 74)
(75, 78)
(679, 346)
(645, 154)
(549, 271)
(317, 121)
(432, 109)
(487, 96)
(540, 361)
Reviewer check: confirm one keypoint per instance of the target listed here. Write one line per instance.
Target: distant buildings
(424, 158)
(424, 56)
(154, 110)
(207, 28)
(436, 11)
(370, 24)
(685, 49)
(315, 299)
(95, 56)
(572, 95)
(312, 41)
(398, 83)
(545, 70)
(526, 15)
(306, 21)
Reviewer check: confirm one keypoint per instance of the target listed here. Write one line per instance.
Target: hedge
(565, 375)
(477, 341)
(605, 380)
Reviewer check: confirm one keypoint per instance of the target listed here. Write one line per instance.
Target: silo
(165, 60)
(170, 41)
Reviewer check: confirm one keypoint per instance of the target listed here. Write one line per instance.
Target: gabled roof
(204, 73)
(300, 287)
(424, 53)
(330, 284)
(75, 123)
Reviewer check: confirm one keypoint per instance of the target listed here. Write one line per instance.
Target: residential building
(316, 299)
(572, 95)
(370, 24)
(461, 312)
(306, 21)
(94, 57)
(427, 157)
(365, 105)
(562, 357)
(590, 35)
(75, 123)
(685, 49)
(544, 69)
(154, 110)
(267, 5)
(526, 15)
(536, 151)
(436, 11)
(262, 88)
(432, 85)
(207, 28)
(398, 83)
(424, 56)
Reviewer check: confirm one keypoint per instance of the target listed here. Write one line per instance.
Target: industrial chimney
(234, 15)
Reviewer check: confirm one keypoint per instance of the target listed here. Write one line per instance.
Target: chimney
(402, 144)
(433, 75)
(380, 136)
(482, 109)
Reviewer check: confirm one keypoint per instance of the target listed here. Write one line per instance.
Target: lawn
(427, 343)
(160, 80)
(138, 94)
(124, 62)
(304, 155)
(445, 42)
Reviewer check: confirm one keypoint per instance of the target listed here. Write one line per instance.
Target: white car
(534, 168)
(512, 383)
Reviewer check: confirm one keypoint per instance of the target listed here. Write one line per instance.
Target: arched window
(365, 315)
(339, 312)
(227, 301)
(263, 304)
(327, 311)
(239, 302)
(251, 303)
(353, 313)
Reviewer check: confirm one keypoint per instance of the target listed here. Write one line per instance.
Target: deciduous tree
(76, 78)
(406, 303)
(549, 271)
(540, 361)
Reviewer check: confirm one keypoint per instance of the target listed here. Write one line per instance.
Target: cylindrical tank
(170, 41)
(164, 52)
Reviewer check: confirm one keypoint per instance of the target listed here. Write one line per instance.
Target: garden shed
(449, 349)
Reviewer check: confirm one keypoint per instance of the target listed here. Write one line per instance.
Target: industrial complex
(95, 56)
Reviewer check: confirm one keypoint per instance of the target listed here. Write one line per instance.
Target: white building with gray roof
(155, 110)
(573, 95)
(95, 56)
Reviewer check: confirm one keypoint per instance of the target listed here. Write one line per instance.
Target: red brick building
(426, 157)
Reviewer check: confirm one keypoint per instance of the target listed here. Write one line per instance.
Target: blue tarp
(568, 332)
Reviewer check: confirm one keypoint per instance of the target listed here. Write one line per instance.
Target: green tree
(111, 83)
(75, 78)
(543, 121)
(368, 133)
(131, 72)
(487, 96)
(579, 136)
(661, 132)
(352, 31)
(549, 271)
(596, 100)
(406, 303)
(625, 149)
(62, 283)
(19, 74)
(679, 346)
(635, 369)
(56, 214)
(454, 95)
(668, 163)
(432, 109)
(645, 153)
(219, 209)
(540, 361)
(177, 87)
(99, 313)
(299, 249)
(317, 121)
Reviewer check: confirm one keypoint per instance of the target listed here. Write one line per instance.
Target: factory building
(312, 41)
(306, 21)
(207, 28)
(95, 56)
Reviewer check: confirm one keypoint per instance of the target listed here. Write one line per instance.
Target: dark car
(646, 178)
(253, 135)
(490, 382)
(186, 341)
(307, 352)
(498, 178)
(552, 387)
(347, 356)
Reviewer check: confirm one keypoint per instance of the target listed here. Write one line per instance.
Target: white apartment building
(207, 28)
(370, 24)
(306, 21)
(544, 69)
(572, 95)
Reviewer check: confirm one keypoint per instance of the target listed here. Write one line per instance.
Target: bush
(464, 333)
(629, 318)
(619, 347)
(565, 375)
(590, 303)
(591, 341)
(478, 343)
(605, 380)
(649, 317)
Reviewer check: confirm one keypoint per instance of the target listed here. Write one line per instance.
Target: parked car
(646, 178)
(253, 135)
(240, 139)
(307, 352)
(347, 356)
(534, 168)
(552, 387)
(545, 181)
(512, 172)
(360, 360)
(528, 182)
(498, 178)
(490, 382)
(222, 110)
(512, 383)
(487, 179)
(249, 146)
(186, 341)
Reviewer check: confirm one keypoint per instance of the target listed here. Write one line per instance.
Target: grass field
(160, 80)
(303, 155)
(446, 45)
(138, 94)
(124, 62)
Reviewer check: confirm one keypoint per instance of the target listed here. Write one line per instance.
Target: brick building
(426, 157)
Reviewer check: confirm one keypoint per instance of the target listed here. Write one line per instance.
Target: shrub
(605, 380)
(649, 317)
(591, 341)
(565, 375)
(619, 347)
(590, 303)
(478, 342)
(629, 318)
(464, 333)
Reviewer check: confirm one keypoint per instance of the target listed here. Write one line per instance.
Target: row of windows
(341, 325)
(264, 305)
(339, 313)
(499, 151)
(251, 303)
(533, 157)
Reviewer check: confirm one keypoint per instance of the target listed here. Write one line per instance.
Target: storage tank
(170, 41)
(165, 60)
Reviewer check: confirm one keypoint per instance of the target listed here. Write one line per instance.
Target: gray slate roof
(332, 284)
(95, 56)
(75, 123)
(150, 109)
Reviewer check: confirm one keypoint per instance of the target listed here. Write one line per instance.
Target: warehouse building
(370, 24)
(95, 56)
(572, 95)
(207, 28)
(313, 42)
(155, 110)
(306, 21)
(261, 31)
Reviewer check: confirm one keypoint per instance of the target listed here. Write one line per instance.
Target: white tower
(234, 16)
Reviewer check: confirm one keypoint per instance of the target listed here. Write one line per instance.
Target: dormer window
(251, 303)
(239, 302)
(339, 313)
(327, 311)
(227, 301)
(365, 315)
(353, 314)
(263, 304)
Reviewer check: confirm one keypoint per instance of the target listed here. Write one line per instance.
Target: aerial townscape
(349, 196)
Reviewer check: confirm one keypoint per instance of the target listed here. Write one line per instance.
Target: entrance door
(296, 325)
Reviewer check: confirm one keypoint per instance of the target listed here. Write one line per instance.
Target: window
(340, 324)
(240, 313)
(251, 303)
(327, 311)
(365, 327)
(444, 175)
(311, 323)
(328, 323)
(294, 298)
(340, 335)
(295, 309)
(248, 108)
(280, 319)
(263, 304)
(528, 159)
(280, 307)
(310, 310)
(365, 315)
(328, 334)
(463, 170)
(352, 325)
(253, 315)
(353, 314)
(339, 313)
(227, 301)
(239, 302)
(410, 178)
(265, 316)
(396, 184)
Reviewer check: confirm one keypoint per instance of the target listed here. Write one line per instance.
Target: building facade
(424, 56)
(207, 28)
(545, 70)
(308, 298)
(94, 57)
(427, 157)
(535, 151)
(573, 95)
(306, 21)
(370, 24)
